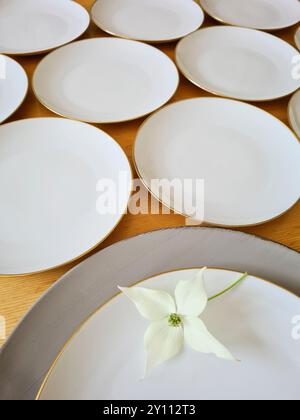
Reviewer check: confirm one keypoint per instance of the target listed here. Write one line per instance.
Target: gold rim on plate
(220, 94)
(85, 253)
(148, 41)
(186, 215)
(219, 19)
(44, 103)
(84, 323)
(26, 90)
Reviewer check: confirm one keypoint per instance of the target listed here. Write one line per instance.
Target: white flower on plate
(175, 321)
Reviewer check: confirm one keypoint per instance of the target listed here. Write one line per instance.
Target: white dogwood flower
(174, 321)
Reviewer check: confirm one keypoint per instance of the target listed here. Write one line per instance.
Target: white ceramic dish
(13, 86)
(254, 321)
(294, 112)
(248, 159)
(238, 63)
(49, 170)
(105, 80)
(297, 38)
(148, 20)
(37, 26)
(256, 14)
(30, 350)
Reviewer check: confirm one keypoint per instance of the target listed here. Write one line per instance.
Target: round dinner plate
(239, 63)
(13, 86)
(248, 160)
(105, 80)
(148, 20)
(49, 172)
(37, 26)
(256, 14)
(254, 321)
(294, 112)
(297, 38)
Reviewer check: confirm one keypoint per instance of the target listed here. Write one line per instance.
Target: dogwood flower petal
(153, 305)
(198, 338)
(162, 342)
(190, 295)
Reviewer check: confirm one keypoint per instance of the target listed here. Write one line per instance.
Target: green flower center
(174, 320)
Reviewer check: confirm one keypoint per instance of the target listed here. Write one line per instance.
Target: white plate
(105, 80)
(49, 169)
(148, 20)
(294, 112)
(248, 159)
(30, 350)
(13, 86)
(256, 14)
(105, 358)
(238, 63)
(297, 38)
(36, 26)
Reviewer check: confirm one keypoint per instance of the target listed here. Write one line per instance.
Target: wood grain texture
(18, 294)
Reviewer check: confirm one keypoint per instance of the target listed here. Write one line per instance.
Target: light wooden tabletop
(17, 295)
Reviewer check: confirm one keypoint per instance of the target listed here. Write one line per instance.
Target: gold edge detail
(26, 90)
(295, 128)
(83, 324)
(47, 50)
(181, 66)
(148, 41)
(44, 103)
(85, 253)
(213, 224)
(220, 20)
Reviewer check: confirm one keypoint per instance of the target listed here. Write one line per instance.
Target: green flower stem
(244, 276)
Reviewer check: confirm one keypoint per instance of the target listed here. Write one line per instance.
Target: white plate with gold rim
(49, 172)
(248, 160)
(105, 80)
(238, 63)
(297, 38)
(148, 20)
(294, 112)
(36, 26)
(257, 14)
(104, 360)
(13, 86)
(30, 350)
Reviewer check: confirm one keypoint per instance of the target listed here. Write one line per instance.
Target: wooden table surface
(18, 294)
